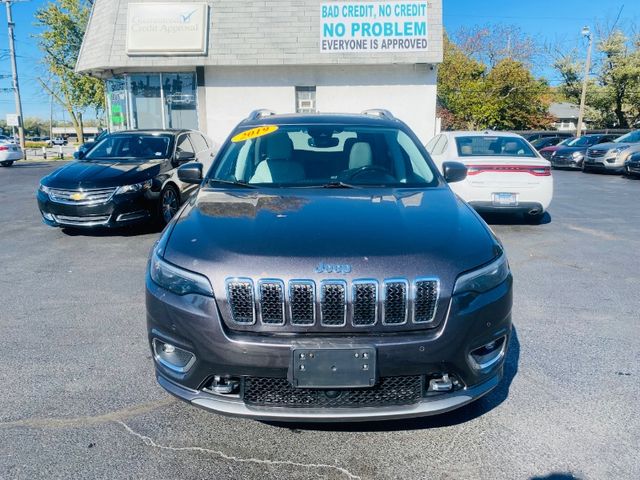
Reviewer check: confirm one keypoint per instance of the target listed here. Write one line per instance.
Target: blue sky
(548, 21)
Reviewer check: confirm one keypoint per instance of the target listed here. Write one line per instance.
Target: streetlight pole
(14, 70)
(587, 34)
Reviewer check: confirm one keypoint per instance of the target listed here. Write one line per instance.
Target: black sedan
(127, 177)
(572, 154)
(632, 166)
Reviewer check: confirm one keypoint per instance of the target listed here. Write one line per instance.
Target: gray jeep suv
(325, 271)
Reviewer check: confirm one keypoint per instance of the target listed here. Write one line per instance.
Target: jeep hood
(285, 234)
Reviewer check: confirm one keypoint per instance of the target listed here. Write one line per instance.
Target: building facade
(206, 65)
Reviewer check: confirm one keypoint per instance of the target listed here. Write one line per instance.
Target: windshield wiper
(338, 184)
(235, 183)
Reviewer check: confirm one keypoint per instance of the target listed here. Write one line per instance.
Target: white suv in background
(505, 173)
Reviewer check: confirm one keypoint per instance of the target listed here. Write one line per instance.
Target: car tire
(8, 163)
(169, 204)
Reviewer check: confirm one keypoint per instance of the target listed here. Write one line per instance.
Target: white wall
(408, 91)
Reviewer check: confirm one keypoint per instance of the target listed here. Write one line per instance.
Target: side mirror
(184, 157)
(454, 171)
(190, 173)
(79, 155)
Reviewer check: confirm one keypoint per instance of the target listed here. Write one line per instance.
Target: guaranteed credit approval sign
(395, 26)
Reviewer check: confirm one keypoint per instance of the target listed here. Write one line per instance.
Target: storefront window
(180, 107)
(146, 107)
(117, 104)
(152, 100)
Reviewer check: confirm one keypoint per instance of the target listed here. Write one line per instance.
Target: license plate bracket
(353, 367)
(505, 199)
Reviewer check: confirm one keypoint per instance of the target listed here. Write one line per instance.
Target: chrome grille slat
(88, 221)
(425, 300)
(302, 302)
(365, 303)
(241, 300)
(88, 197)
(395, 303)
(271, 302)
(333, 303)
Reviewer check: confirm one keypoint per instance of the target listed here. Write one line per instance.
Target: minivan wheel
(8, 163)
(169, 204)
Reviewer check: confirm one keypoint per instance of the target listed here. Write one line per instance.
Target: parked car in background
(325, 272)
(546, 152)
(505, 173)
(543, 142)
(611, 157)
(572, 153)
(9, 152)
(632, 165)
(533, 136)
(57, 141)
(127, 177)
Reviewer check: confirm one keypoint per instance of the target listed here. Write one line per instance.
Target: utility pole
(14, 69)
(587, 34)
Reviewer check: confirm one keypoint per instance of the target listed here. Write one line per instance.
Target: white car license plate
(505, 199)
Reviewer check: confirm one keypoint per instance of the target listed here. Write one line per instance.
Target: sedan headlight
(577, 155)
(137, 187)
(44, 189)
(178, 280)
(485, 278)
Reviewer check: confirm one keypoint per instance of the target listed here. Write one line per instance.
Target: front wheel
(169, 204)
(8, 163)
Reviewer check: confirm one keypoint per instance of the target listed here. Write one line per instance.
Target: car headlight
(577, 155)
(44, 189)
(619, 149)
(137, 187)
(178, 280)
(485, 278)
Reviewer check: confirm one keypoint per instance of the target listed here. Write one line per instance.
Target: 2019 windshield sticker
(254, 133)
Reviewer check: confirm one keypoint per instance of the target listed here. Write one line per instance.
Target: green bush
(35, 144)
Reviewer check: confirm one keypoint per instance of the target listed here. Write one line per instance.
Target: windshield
(631, 137)
(323, 155)
(131, 146)
(567, 141)
(487, 146)
(583, 142)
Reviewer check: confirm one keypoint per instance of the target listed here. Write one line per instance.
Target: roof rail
(263, 112)
(379, 112)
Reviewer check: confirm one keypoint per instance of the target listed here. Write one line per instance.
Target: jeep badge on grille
(333, 268)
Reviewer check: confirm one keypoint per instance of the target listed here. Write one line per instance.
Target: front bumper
(192, 323)
(608, 162)
(567, 162)
(119, 211)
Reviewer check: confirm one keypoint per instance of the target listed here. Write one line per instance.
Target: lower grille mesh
(278, 392)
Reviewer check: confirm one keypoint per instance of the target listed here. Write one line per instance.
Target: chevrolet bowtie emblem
(77, 196)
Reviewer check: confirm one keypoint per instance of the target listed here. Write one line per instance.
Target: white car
(9, 153)
(505, 173)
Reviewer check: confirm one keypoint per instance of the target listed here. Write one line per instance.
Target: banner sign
(167, 28)
(395, 26)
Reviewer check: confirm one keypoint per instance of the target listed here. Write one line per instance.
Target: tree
(493, 43)
(63, 24)
(613, 92)
(477, 97)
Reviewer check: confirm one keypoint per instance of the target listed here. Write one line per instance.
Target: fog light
(489, 354)
(224, 385)
(172, 357)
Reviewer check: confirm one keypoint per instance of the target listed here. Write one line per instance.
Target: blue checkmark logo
(187, 18)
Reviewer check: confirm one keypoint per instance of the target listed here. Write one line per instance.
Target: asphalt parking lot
(79, 399)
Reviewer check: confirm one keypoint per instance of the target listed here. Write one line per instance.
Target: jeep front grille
(336, 303)
(333, 303)
(278, 392)
(395, 302)
(241, 303)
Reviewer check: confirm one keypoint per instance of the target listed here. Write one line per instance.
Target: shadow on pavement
(455, 417)
(557, 476)
(132, 231)
(38, 164)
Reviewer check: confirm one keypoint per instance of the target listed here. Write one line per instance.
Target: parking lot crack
(259, 461)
